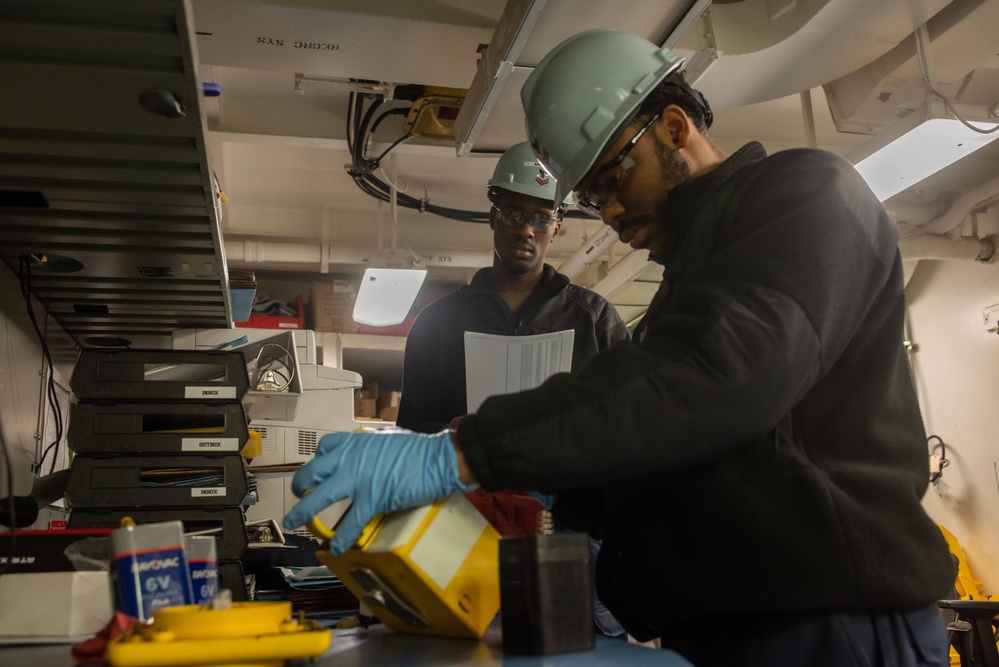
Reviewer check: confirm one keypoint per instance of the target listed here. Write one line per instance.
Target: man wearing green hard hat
(761, 502)
(519, 295)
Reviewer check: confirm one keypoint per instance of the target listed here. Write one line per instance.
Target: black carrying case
(230, 542)
(157, 428)
(126, 482)
(160, 375)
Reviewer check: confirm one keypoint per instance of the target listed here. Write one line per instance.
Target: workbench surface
(379, 646)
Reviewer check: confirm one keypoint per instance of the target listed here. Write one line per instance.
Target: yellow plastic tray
(248, 634)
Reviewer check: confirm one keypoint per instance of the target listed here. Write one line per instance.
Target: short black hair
(671, 90)
(675, 90)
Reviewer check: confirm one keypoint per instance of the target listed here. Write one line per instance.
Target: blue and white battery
(204, 567)
(149, 569)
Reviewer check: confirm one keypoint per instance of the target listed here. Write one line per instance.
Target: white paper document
(505, 364)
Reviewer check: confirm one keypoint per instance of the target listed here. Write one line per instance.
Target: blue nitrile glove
(381, 472)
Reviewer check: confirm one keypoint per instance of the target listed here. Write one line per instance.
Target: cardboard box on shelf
(389, 399)
(389, 413)
(365, 408)
(331, 305)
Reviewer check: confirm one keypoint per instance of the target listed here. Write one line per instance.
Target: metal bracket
(378, 594)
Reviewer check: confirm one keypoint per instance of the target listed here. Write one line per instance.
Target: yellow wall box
(260, 634)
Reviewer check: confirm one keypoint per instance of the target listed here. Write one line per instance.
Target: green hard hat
(582, 92)
(519, 171)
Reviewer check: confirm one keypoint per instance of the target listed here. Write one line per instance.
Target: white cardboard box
(53, 607)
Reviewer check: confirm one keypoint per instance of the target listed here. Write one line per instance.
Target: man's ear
(673, 127)
(555, 230)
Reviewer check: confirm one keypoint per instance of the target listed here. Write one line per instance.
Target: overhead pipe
(962, 207)
(623, 271)
(927, 246)
(808, 116)
(589, 252)
(909, 214)
(314, 255)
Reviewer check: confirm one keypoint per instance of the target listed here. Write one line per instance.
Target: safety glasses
(607, 180)
(514, 217)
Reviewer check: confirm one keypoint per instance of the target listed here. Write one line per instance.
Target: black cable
(53, 398)
(453, 213)
(359, 133)
(943, 456)
(358, 138)
(391, 112)
(405, 137)
(350, 143)
(364, 133)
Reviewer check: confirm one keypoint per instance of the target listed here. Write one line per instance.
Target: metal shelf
(92, 180)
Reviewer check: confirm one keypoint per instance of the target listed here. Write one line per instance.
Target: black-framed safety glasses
(605, 183)
(514, 217)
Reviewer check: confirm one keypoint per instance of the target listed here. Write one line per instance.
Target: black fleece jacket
(759, 440)
(433, 379)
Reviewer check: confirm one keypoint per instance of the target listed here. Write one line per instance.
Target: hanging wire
(924, 57)
(954, 111)
(361, 123)
(395, 215)
(944, 461)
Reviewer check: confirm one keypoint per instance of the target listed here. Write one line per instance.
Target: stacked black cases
(157, 436)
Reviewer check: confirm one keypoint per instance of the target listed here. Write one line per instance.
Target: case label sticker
(208, 491)
(209, 444)
(209, 392)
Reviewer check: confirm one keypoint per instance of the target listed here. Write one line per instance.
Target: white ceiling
(280, 154)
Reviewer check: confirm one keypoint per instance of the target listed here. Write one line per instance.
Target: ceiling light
(386, 295)
(918, 146)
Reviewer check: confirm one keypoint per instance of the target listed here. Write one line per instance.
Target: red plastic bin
(276, 322)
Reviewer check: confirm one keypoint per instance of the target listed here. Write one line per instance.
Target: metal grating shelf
(92, 180)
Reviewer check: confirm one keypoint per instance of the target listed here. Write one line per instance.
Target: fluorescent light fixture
(918, 146)
(386, 295)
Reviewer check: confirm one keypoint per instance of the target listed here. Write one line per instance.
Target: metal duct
(768, 49)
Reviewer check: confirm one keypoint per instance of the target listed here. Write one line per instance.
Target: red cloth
(509, 513)
(95, 648)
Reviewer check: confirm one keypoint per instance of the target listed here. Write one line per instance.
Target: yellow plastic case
(431, 570)
(254, 634)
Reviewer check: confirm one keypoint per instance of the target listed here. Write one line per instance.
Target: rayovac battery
(148, 568)
(204, 567)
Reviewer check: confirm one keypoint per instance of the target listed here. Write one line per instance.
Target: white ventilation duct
(962, 37)
(768, 49)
